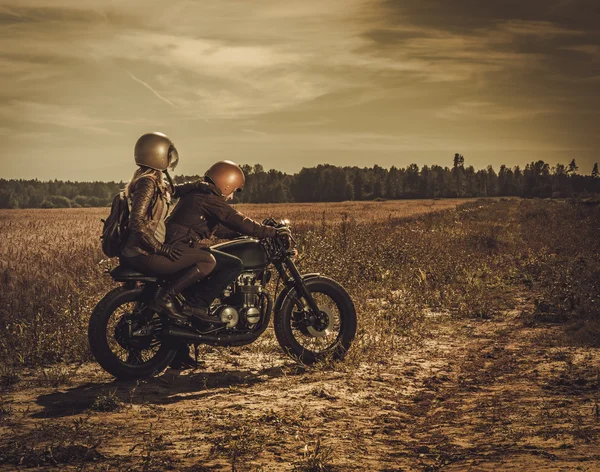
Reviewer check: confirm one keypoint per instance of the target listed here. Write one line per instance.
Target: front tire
(116, 351)
(328, 337)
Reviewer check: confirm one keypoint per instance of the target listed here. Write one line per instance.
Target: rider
(145, 249)
(204, 212)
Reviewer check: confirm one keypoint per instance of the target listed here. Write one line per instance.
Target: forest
(329, 183)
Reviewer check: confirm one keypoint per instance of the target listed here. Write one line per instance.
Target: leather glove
(170, 251)
(267, 232)
(285, 235)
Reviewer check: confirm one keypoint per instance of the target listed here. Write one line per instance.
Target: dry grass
(474, 351)
(397, 259)
(311, 214)
(51, 270)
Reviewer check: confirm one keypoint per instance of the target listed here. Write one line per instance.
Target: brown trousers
(157, 265)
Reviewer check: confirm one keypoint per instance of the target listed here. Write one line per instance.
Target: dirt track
(476, 395)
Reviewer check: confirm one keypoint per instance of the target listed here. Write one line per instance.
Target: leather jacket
(148, 201)
(203, 212)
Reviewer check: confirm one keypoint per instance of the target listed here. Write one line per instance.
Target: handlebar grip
(284, 240)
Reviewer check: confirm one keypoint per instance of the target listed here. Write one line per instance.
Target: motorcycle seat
(125, 273)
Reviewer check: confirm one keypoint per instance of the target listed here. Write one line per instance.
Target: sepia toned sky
(293, 84)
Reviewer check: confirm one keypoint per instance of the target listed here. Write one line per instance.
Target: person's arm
(139, 223)
(179, 190)
(223, 232)
(234, 220)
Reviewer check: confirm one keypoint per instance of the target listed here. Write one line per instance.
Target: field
(477, 349)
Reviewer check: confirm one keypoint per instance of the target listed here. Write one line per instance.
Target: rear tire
(101, 336)
(307, 343)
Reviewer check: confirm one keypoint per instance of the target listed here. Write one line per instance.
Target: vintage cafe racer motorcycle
(314, 316)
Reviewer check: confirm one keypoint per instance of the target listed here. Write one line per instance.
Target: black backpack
(114, 232)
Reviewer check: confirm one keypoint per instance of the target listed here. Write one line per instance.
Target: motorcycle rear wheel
(330, 336)
(122, 311)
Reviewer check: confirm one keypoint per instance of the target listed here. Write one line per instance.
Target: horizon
(177, 175)
(353, 82)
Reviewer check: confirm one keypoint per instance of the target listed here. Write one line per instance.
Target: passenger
(145, 248)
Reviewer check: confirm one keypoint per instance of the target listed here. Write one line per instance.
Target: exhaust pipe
(191, 336)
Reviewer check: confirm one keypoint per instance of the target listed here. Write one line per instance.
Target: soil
(500, 394)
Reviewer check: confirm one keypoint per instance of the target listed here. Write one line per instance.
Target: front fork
(297, 281)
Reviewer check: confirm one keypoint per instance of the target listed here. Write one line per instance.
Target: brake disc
(328, 326)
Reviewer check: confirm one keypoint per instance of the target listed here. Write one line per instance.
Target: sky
(297, 84)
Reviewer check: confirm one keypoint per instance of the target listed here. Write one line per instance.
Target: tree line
(328, 183)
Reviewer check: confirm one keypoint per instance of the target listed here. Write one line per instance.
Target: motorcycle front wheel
(309, 338)
(125, 335)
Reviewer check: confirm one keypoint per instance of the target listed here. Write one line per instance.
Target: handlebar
(282, 243)
(276, 224)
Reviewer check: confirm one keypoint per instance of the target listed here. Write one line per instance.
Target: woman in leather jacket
(145, 249)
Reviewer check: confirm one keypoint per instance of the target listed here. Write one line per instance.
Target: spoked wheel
(126, 336)
(309, 337)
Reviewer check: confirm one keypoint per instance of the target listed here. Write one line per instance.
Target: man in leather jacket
(203, 212)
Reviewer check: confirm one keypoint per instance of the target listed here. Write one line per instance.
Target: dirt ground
(502, 394)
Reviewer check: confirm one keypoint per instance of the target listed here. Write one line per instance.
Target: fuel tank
(249, 250)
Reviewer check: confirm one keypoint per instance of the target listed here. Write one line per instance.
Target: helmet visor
(173, 157)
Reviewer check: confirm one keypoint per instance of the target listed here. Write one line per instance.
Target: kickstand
(196, 355)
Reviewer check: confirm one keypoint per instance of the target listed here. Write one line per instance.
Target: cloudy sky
(293, 84)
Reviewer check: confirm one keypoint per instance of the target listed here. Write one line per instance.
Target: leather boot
(165, 301)
(182, 359)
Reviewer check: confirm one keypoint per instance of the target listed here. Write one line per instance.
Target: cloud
(158, 95)
(342, 76)
(51, 115)
(537, 28)
(490, 111)
(589, 49)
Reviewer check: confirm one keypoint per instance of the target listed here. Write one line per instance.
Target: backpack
(114, 232)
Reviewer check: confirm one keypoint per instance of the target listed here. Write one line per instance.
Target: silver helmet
(157, 151)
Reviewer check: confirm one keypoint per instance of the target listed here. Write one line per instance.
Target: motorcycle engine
(250, 289)
(247, 290)
(229, 316)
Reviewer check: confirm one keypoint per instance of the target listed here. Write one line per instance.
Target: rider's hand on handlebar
(170, 251)
(284, 230)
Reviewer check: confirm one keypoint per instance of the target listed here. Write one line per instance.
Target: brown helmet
(227, 176)
(157, 151)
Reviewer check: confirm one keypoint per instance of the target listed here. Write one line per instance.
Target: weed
(132, 392)
(6, 409)
(8, 376)
(320, 392)
(56, 376)
(52, 444)
(150, 445)
(241, 443)
(107, 401)
(315, 458)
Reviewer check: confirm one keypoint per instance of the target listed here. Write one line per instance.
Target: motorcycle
(313, 316)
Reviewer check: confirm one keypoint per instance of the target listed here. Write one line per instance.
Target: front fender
(286, 290)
